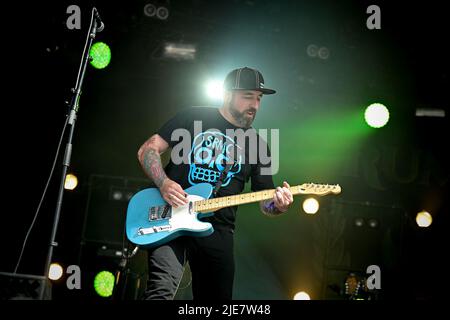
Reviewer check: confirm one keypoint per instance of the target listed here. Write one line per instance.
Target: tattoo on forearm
(268, 207)
(151, 163)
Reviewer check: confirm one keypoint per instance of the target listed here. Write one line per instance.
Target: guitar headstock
(320, 189)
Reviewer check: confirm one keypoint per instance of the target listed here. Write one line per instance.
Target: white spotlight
(214, 89)
(311, 206)
(424, 219)
(302, 295)
(179, 51)
(117, 195)
(373, 223)
(70, 182)
(359, 222)
(55, 272)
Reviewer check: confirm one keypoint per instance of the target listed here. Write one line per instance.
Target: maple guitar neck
(214, 204)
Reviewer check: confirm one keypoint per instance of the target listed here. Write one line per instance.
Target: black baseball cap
(246, 79)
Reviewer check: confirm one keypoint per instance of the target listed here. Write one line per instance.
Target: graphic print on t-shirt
(211, 151)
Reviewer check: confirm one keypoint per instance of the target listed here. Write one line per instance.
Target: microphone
(100, 24)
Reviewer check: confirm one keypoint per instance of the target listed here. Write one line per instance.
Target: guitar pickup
(160, 213)
(166, 211)
(153, 215)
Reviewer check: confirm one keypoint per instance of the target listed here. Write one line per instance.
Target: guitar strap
(222, 176)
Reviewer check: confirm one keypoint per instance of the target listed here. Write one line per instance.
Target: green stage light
(376, 115)
(104, 283)
(100, 54)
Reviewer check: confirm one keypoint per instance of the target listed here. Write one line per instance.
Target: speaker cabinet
(14, 286)
(359, 235)
(106, 208)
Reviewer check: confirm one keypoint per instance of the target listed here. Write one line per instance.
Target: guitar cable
(42, 197)
(125, 255)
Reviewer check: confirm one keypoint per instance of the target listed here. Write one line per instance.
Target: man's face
(243, 106)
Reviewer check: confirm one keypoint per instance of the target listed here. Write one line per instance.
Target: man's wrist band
(270, 206)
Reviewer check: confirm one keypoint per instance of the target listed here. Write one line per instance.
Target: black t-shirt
(202, 143)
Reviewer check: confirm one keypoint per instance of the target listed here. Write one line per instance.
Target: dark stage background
(388, 174)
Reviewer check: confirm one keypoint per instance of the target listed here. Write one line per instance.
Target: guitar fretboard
(215, 204)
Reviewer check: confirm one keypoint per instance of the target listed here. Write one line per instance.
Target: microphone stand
(68, 152)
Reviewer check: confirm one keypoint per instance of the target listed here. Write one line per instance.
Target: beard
(244, 119)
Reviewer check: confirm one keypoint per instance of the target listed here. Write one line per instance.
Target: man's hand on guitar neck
(282, 199)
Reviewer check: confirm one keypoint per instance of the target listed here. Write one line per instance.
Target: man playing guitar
(211, 257)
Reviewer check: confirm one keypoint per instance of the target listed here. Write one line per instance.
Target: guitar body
(151, 221)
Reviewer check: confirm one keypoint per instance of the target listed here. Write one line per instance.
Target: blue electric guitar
(151, 221)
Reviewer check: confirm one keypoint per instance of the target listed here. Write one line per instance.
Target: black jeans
(211, 260)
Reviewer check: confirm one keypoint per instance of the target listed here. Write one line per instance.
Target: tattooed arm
(150, 159)
(149, 156)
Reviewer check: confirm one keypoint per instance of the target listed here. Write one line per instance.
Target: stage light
(312, 50)
(324, 53)
(359, 222)
(373, 223)
(424, 219)
(430, 112)
(376, 115)
(55, 271)
(104, 283)
(71, 182)
(214, 90)
(179, 51)
(150, 10)
(100, 55)
(121, 194)
(302, 295)
(117, 195)
(162, 13)
(311, 206)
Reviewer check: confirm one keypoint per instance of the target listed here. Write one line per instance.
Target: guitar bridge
(160, 213)
(155, 229)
